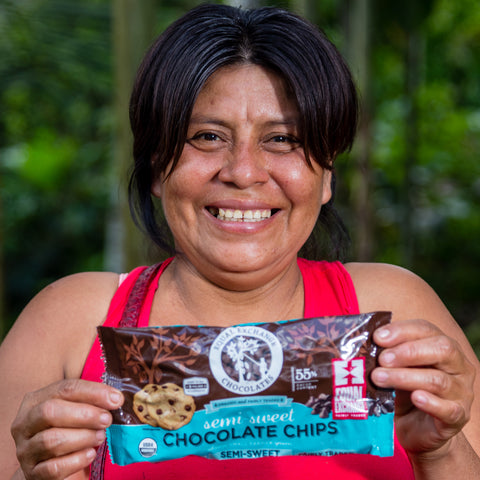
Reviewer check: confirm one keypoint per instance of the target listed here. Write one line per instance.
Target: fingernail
(100, 436)
(383, 333)
(91, 453)
(381, 376)
(115, 397)
(420, 399)
(105, 419)
(388, 358)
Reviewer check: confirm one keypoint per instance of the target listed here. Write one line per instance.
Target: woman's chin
(242, 272)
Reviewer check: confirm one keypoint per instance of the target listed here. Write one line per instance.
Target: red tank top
(329, 290)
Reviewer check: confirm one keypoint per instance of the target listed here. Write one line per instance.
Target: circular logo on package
(147, 447)
(246, 359)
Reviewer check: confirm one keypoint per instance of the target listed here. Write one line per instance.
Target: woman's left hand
(433, 381)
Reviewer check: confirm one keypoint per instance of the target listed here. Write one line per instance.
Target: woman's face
(242, 199)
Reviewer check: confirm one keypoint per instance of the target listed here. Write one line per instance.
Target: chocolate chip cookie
(164, 406)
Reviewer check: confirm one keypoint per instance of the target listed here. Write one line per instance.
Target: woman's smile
(237, 215)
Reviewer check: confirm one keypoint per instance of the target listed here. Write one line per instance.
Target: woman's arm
(57, 420)
(430, 363)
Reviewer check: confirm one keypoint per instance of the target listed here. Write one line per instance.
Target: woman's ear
(327, 186)
(156, 188)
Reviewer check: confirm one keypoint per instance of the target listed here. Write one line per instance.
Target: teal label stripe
(249, 428)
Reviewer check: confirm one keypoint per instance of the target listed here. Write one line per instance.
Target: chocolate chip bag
(300, 387)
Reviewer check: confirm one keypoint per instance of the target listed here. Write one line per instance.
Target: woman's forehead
(241, 89)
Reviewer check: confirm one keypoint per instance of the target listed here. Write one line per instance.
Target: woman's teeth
(231, 215)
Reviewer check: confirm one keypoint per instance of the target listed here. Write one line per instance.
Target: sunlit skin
(244, 152)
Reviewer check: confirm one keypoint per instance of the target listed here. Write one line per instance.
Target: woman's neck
(186, 297)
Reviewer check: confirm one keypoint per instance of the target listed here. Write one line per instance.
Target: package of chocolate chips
(299, 387)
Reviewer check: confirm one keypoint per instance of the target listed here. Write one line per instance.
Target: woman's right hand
(58, 428)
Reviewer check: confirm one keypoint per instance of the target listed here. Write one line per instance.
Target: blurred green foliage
(56, 128)
(443, 181)
(57, 170)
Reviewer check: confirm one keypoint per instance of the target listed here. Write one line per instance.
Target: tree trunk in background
(413, 79)
(133, 32)
(357, 17)
(243, 3)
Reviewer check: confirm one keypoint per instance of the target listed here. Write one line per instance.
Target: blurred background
(409, 191)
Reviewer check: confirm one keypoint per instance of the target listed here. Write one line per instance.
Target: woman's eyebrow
(200, 119)
(288, 122)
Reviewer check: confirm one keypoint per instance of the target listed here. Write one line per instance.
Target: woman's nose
(244, 166)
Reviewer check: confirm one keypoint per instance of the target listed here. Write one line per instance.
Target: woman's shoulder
(87, 293)
(372, 271)
(392, 288)
(62, 317)
(381, 286)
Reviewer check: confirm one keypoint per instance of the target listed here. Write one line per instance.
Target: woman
(237, 118)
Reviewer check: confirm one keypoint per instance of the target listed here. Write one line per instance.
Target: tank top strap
(130, 305)
(138, 294)
(329, 289)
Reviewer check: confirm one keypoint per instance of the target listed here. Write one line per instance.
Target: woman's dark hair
(208, 38)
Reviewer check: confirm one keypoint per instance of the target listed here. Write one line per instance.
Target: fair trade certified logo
(246, 359)
(349, 389)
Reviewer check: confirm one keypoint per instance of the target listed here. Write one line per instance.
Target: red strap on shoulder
(137, 296)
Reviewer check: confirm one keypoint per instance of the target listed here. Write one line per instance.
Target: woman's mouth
(236, 215)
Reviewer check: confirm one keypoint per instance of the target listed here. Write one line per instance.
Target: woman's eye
(208, 137)
(206, 141)
(282, 139)
(283, 143)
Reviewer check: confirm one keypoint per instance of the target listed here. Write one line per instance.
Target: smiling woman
(179, 66)
(238, 116)
(243, 157)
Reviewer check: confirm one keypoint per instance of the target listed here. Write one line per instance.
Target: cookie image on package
(164, 406)
(140, 404)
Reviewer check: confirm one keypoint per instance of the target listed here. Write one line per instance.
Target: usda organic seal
(147, 447)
